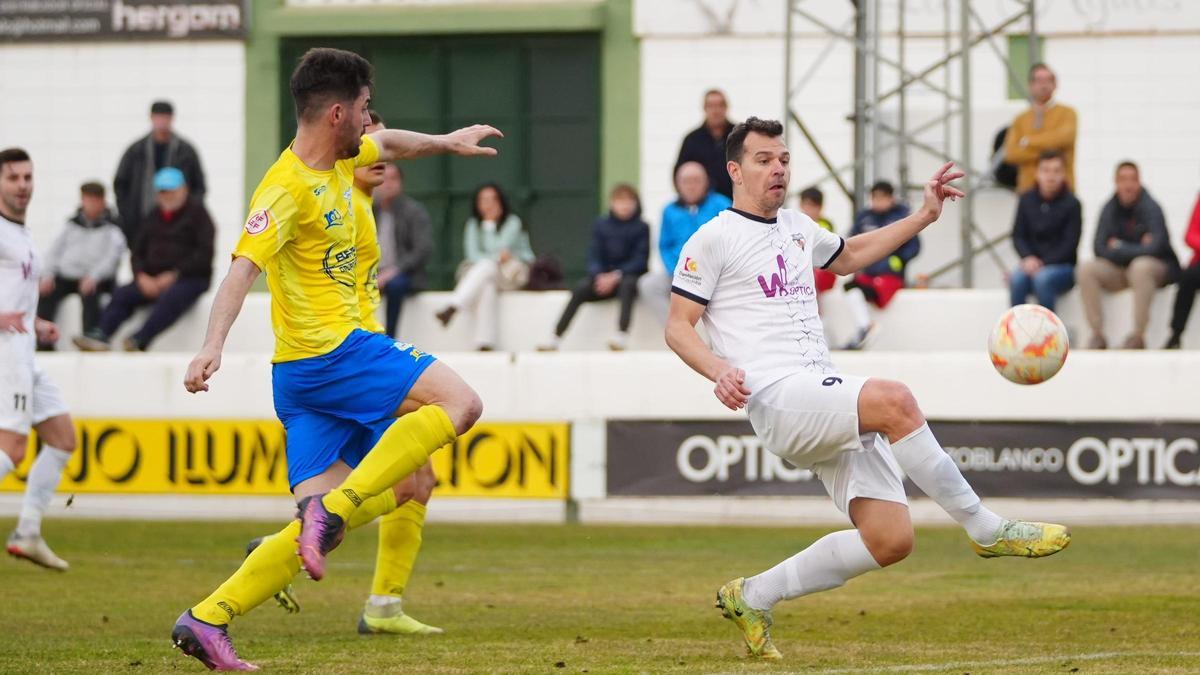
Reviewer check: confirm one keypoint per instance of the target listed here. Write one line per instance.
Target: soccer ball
(1028, 344)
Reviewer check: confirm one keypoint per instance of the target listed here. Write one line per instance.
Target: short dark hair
(716, 92)
(1039, 66)
(375, 118)
(812, 194)
(736, 143)
(1047, 155)
(884, 187)
(10, 155)
(1128, 164)
(162, 108)
(627, 190)
(325, 76)
(93, 189)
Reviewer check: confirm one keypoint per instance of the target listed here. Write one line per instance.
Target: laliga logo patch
(258, 221)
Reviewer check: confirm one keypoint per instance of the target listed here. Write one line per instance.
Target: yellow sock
(403, 448)
(379, 505)
(263, 573)
(399, 543)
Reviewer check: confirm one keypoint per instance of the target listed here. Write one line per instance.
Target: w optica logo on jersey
(258, 222)
(779, 285)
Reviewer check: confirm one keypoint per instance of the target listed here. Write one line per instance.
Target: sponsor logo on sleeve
(690, 270)
(258, 221)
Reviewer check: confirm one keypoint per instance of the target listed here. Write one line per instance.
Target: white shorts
(28, 397)
(811, 420)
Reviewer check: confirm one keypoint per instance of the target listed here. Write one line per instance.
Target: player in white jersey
(28, 398)
(748, 273)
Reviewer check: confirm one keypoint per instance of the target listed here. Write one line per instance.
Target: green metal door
(541, 91)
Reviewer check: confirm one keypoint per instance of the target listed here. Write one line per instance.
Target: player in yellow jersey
(361, 412)
(400, 530)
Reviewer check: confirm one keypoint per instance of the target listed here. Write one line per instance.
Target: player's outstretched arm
(395, 144)
(683, 339)
(226, 306)
(870, 247)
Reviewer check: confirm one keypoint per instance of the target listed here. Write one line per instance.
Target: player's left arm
(397, 144)
(870, 247)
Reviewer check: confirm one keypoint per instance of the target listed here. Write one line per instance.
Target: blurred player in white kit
(748, 273)
(28, 398)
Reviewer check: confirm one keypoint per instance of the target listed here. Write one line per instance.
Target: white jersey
(19, 273)
(755, 278)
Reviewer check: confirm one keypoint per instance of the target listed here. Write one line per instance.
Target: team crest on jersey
(799, 239)
(319, 191)
(258, 221)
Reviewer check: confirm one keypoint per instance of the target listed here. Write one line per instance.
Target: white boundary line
(1030, 661)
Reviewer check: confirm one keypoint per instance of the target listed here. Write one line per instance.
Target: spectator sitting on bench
(696, 204)
(1046, 235)
(1189, 282)
(812, 200)
(880, 282)
(616, 257)
(172, 266)
(1133, 250)
(497, 255)
(83, 259)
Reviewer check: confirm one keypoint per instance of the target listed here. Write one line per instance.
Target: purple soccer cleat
(320, 533)
(207, 643)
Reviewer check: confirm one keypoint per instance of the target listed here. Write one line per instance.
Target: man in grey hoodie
(1133, 250)
(83, 259)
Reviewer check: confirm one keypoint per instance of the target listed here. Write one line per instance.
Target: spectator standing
(1046, 235)
(706, 144)
(616, 258)
(1133, 250)
(695, 205)
(1189, 282)
(161, 148)
(812, 201)
(405, 241)
(83, 259)
(497, 255)
(172, 267)
(1047, 125)
(878, 283)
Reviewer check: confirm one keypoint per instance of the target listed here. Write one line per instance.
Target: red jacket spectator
(1189, 282)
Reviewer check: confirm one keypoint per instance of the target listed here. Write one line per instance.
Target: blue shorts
(336, 406)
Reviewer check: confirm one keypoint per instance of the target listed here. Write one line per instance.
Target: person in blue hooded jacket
(616, 257)
(696, 204)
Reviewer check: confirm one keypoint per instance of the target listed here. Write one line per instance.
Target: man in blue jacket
(696, 205)
(616, 257)
(878, 283)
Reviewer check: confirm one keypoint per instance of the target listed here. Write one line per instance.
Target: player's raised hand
(207, 362)
(938, 190)
(731, 389)
(466, 141)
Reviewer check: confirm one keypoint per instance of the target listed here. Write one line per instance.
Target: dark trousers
(1185, 295)
(167, 309)
(47, 308)
(584, 292)
(398, 288)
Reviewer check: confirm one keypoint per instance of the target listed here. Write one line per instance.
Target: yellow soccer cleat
(755, 624)
(377, 620)
(1026, 540)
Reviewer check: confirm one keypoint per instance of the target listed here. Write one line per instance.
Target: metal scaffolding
(873, 105)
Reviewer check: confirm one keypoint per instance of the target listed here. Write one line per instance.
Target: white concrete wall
(76, 108)
(1130, 69)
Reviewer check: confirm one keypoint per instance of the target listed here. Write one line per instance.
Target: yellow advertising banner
(516, 459)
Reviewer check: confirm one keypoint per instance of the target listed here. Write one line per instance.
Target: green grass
(549, 599)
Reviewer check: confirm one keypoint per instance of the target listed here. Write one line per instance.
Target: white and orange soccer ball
(1028, 344)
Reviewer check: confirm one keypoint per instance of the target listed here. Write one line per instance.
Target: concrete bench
(917, 320)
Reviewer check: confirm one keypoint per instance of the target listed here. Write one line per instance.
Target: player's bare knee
(15, 452)
(888, 545)
(904, 414)
(465, 410)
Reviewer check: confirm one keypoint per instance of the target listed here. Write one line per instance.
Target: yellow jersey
(367, 243)
(301, 232)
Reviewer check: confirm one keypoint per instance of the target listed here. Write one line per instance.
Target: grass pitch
(562, 599)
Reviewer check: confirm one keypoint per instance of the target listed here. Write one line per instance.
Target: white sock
(6, 464)
(39, 488)
(830, 562)
(922, 458)
(856, 302)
